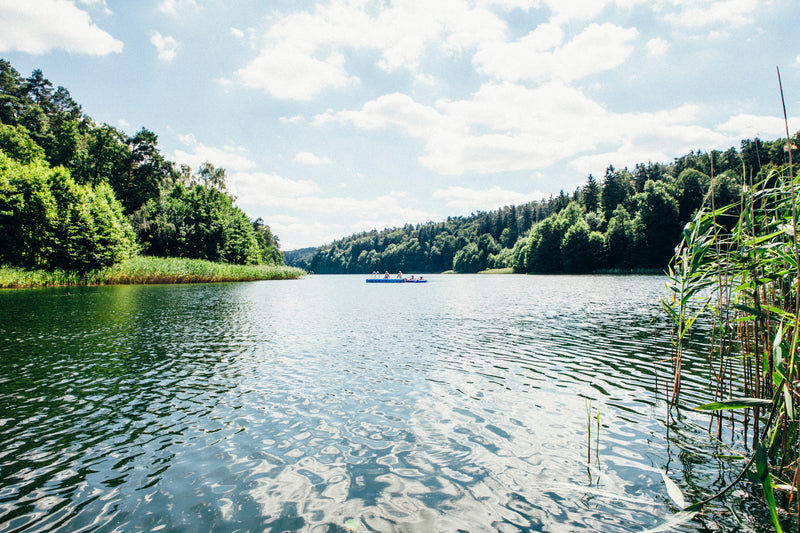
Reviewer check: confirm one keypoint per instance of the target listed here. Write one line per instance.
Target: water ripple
(329, 405)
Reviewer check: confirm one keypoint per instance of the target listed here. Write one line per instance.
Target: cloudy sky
(337, 116)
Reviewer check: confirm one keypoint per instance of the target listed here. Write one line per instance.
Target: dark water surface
(328, 404)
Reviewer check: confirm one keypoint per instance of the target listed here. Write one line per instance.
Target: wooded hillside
(627, 220)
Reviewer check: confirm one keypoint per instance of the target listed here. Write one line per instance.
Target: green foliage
(656, 225)
(68, 186)
(618, 189)
(48, 221)
(689, 190)
(619, 239)
(28, 214)
(200, 222)
(737, 265)
(590, 195)
(17, 144)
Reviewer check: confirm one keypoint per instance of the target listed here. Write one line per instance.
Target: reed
(739, 266)
(497, 271)
(148, 270)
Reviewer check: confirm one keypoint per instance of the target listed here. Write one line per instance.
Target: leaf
(740, 403)
(751, 311)
(673, 491)
(787, 401)
(763, 474)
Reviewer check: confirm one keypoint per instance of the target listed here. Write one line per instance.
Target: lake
(471, 403)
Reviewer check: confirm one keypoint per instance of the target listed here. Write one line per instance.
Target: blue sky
(340, 116)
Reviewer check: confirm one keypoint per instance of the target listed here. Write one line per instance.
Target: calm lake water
(328, 404)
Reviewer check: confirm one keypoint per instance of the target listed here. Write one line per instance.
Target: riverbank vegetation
(77, 197)
(738, 268)
(147, 270)
(628, 221)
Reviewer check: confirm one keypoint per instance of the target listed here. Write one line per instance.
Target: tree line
(78, 195)
(626, 221)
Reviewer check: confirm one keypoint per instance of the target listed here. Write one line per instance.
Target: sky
(341, 116)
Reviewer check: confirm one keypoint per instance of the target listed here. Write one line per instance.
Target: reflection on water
(328, 404)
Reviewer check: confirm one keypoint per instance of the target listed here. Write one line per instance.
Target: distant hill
(299, 256)
(628, 220)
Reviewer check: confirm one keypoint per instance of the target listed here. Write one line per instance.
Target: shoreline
(144, 270)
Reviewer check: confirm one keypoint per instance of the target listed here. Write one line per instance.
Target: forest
(77, 195)
(626, 221)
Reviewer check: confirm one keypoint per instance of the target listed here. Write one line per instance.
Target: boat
(377, 277)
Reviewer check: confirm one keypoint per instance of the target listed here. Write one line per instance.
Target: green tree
(213, 177)
(198, 222)
(28, 214)
(590, 195)
(689, 189)
(618, 187)
(91, 231)
(544, 253)
(11, 93)
(47, 220)
(108, 158)
(18, 145)
(575, 252)
(656, 225)
(147, 172)
(467, 259)
(268, 243)
(618, 238)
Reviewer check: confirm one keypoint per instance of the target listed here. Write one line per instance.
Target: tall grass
(739, 265)
(143, 270)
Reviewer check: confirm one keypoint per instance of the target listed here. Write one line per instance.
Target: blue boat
(377, 277)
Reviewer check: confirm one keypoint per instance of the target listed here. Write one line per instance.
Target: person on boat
(386, 276)
(412, 277)
(399, 274)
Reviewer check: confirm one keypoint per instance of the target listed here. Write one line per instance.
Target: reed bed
(497, 271)
(148, 270)
(739, 267)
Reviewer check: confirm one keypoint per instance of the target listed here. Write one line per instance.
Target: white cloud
(576, 9)
(489, 134)
(231, 158)
(539, 55)
(39, 26)
(289, 74)
(396, 109)
(99, 3)
(167, 46)
(297, 119)
(657, 46)
(265, 189)
(272, 190)
(303, 54)
(307, 158)
(746, 126)
(304, 231)
(176, 7)
(236, 32)
(695, 14)
(467, 200)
